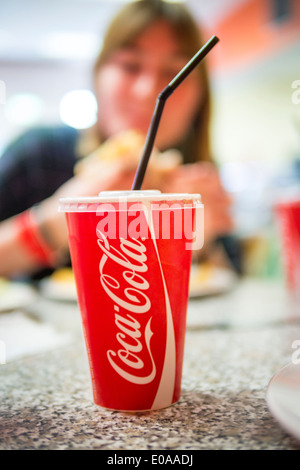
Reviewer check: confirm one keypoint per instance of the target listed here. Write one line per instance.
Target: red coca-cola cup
(131, 256)
(288, 216)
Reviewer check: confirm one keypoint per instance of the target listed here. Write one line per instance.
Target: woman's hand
(203, 178)
(116, 176)
(16, 259)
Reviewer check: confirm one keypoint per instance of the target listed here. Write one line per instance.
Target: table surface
(235, 343)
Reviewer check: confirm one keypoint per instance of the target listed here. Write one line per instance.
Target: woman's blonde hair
(129, 23)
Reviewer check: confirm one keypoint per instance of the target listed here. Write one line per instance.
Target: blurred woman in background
(146, 44)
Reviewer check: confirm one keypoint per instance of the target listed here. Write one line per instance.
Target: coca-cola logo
(127, 263)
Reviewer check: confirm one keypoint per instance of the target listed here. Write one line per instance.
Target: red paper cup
(288, 214)
(131, 256)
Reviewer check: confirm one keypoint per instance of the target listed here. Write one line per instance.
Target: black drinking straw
(160, 102)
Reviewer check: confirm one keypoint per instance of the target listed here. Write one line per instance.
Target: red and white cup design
(288, 214)
(131, 257)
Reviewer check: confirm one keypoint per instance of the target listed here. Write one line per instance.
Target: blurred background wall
(47, 49)
(256, 124)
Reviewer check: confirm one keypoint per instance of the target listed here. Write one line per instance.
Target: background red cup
(288, 216)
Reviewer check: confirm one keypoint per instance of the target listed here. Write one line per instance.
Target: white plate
(15, 295)
(207, 279)
(204, 280)
(283, 398)
(59, 286)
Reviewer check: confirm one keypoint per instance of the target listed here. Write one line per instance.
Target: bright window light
(78, 109)
(64, 45)
(24, 109)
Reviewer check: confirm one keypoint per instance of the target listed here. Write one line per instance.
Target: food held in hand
(128, 147)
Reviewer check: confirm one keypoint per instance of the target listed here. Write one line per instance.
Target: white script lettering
(132, 257)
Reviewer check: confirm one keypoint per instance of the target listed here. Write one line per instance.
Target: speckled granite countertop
(230, 357)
